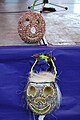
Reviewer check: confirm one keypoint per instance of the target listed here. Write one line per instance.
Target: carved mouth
(40, 111)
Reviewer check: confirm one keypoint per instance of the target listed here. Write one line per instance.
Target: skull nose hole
(40, 100)
(33, 30)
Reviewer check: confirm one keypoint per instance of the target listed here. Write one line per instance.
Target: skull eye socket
(48, 91)
(38, 21)
(31, 91)
(26, 22)
(26, 19)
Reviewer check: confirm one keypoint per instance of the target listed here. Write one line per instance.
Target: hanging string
(41, 117)
(31, 71)
(55, 71)
(34, 5)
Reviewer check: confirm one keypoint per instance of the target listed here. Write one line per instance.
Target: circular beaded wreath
(31, 27)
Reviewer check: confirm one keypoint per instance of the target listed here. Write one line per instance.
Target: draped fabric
(15, 64)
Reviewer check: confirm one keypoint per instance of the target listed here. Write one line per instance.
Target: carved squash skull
(31, 27)
(42, 92)
(42, 97)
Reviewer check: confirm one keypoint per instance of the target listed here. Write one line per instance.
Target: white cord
(41, 117)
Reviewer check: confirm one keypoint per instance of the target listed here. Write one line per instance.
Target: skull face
(31, 27)
(41, 97)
